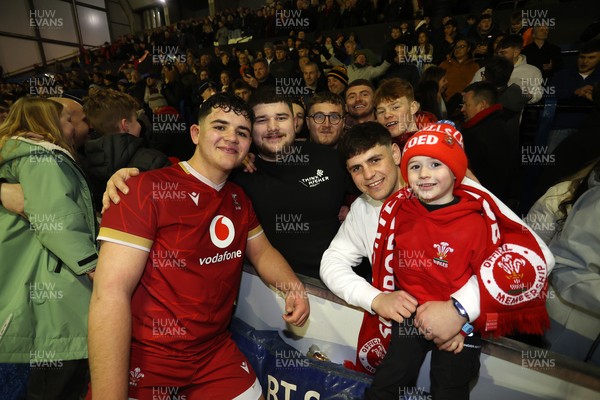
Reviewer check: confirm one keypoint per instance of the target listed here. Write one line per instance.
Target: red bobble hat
(441, 141)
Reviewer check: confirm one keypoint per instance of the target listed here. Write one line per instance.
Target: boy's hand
(454, 345)
(395, 305)
(116, 184)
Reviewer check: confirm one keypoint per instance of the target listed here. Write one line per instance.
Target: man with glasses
(325, 118)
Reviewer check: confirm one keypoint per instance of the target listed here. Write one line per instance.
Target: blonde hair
(38, 115)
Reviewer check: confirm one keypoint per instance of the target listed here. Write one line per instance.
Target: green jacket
(44, 289)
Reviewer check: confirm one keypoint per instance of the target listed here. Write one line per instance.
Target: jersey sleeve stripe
(127, 239)
(255, 232)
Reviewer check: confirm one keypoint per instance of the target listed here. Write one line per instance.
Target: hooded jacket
(574, 302)
(44, 290)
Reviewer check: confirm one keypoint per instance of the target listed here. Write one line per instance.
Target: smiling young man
(359, 103)
(372, 159)
(398, 111)
(169, 272)
(298, 188)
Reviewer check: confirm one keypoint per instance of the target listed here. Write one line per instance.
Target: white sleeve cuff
(468, 297)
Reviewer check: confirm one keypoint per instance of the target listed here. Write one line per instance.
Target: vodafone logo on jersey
(222, 231)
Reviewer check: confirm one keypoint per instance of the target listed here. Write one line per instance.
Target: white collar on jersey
(202, 178)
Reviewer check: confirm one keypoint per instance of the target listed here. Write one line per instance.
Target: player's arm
(275, 270)
(118, 272)
(441, 321)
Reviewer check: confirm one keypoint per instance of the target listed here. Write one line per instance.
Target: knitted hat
(359, 53)
(338, 72)
(441, 141)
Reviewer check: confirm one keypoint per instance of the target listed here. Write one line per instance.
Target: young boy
(440, 239)
(437, 239)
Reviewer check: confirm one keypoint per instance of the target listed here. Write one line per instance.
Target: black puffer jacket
(107, 154)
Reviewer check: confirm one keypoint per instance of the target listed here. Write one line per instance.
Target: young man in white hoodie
(372, 160)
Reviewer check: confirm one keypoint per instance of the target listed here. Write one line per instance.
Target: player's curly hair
(226, 102)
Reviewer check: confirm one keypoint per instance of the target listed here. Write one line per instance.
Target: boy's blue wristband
(467, 329)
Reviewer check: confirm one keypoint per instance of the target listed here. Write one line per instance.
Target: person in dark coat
(113, 115)
(489, 144)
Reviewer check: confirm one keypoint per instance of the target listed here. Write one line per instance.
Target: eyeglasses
(319, 118)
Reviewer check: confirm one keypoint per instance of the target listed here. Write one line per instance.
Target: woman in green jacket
(47, 255)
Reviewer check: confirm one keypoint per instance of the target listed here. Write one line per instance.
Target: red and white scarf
(512, 280)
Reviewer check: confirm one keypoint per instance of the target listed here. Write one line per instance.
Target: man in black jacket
(489, 145)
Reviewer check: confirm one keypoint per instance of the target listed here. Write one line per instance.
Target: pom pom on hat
(441, 141)
(339, 73)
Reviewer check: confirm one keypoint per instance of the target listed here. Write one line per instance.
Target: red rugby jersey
(196, 234)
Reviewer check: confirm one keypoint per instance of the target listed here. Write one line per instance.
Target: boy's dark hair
(269, 95)
(226, 102)
(325, 97)
(508, 41)
(592, 46)
(361, 82)
(498, 70)
(362, 137)
(483, 91)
